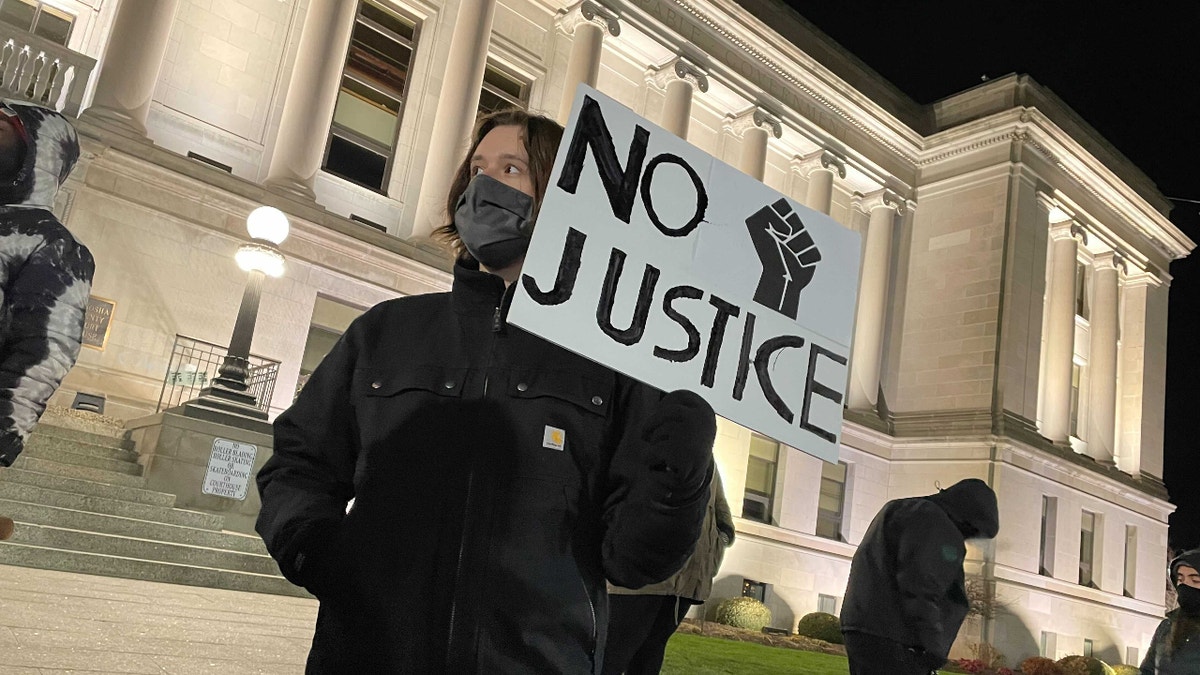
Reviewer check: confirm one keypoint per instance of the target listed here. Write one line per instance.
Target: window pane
(761, 446)
(365, 118)
(54, 25)
(378, 59)
(356, 163)
(760, 476)
(392, 22)
(19, 13)
(1076, 375)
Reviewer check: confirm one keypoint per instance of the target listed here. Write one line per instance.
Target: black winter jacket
(45, 277)
(497, 482)
(906, 580)
(1184, 658)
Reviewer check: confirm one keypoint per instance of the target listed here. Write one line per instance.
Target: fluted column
(678, 79)
(755, 127)
(132, 60)
(1060, 332)
(1102, 357)
(588, 21)
(458, 103)
(820, 169)
(872, 300)
(311, 97)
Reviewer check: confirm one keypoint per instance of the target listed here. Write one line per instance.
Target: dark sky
(1132, 70)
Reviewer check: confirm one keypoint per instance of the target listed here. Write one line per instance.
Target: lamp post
(268, 227)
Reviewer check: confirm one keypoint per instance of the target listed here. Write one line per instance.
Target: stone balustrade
(35, 69)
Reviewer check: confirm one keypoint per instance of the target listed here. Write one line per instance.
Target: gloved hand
(926, 659)
(679, 438)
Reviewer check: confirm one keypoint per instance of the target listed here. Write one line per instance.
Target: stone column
(458, 103)
(132, 60)
(820, 168)
(678, 79)
(754, 127)
(872, 300)
(588, 21)
(1102, 357)
(1060, 332)
(311, 97)
(1137, 352)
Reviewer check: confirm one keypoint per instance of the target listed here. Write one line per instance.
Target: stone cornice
(588, 11)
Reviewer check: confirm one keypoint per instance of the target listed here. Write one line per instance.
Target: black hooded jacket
(497, 480)
(1184, 658)
(906, 580)
(45, 277)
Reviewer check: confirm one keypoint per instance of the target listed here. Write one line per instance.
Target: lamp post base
(227, 400)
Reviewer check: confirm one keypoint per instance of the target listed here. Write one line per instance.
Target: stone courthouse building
(1011, 323)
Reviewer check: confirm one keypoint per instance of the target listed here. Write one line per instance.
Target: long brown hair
(541, 136)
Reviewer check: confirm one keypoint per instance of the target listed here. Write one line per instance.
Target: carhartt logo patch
(554, 438)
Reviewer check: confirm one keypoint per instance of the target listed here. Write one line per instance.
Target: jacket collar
(475, 290)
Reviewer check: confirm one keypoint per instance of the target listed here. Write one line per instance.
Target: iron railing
(35, 69)
(194, 365)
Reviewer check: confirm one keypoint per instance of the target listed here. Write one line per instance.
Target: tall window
(502, 90)
(832, 500)
(1088, 647)
(1046, 550)
(1082, 310)
(366, 120)
(758, 501)
(1076, 376)
(1130, 561)
(1087, 549)
(1048, 645)
(38, 18)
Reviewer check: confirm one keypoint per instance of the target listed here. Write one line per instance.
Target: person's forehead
(1186, 570)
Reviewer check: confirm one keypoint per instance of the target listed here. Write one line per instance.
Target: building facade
(1011, 322)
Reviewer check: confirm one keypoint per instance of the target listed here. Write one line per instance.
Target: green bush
(821, 626)
(1081, 665)
(743, 612)
(1040, 665)
(1126, 670)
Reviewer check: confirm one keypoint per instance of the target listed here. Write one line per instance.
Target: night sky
(1132, 70)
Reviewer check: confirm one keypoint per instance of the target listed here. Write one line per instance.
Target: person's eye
(512, 168)
(475, 170)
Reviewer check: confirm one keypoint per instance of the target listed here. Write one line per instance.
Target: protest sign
(661, 262)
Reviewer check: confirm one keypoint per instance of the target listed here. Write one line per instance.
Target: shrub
(970, 665)
(1126, 670)
(987, 654)
(743, 612)
(1081, 665)
(821, 626)
(1040, 665)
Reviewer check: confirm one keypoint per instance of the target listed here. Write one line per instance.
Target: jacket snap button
(448, 385)
(522, 387)
(596, 400)
(376, 385)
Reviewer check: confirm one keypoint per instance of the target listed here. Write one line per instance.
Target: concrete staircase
(79, 506)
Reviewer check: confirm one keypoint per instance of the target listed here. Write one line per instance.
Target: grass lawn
(698, 655)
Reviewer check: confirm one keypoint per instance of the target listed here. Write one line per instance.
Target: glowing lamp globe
(268, 223)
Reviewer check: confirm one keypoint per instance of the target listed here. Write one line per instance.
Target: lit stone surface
(56, 621)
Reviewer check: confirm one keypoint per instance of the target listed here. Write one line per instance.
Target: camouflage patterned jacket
(45, 276)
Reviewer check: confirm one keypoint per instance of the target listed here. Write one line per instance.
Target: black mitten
(679, 438)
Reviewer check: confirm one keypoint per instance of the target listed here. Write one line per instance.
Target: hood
(1190, 558)
(52, 153)
(971, 504)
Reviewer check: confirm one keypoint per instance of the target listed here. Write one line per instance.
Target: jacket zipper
(592, 608)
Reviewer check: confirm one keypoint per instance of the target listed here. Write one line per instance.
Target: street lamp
(268, 227)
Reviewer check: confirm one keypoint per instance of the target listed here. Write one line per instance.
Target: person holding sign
(498, 480)
(906, 598)
(45, 273)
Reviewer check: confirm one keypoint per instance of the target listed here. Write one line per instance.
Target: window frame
(840, 518)
(504, 71)
(37, 14)
(749, 494)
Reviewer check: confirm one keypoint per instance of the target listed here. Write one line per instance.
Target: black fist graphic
(788, 254)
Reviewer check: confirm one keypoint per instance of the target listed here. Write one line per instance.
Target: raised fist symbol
(788, 254)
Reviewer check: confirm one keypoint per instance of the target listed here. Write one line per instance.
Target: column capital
(588, 11)
(752, 119)
(880, 199)
(1068, 229)
(678, 69)
(1108, 260)
(1140, 277)
(821, 159)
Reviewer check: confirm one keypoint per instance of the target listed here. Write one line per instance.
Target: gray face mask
(494, 222)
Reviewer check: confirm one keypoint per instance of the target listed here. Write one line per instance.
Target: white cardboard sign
(657, 260)
(229, 469)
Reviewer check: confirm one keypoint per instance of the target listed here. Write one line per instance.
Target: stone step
(82, 436)
(42, 514)
(65, 456)
(43, 465)
(33, 494)
(86, 487)
(54, 443)
(148, 570)
(44, 536)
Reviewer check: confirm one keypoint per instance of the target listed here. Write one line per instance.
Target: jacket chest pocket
(563, 418)
(408, 405)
